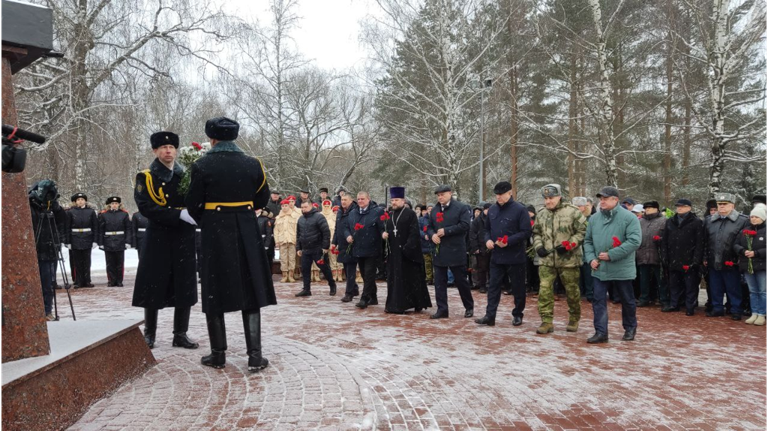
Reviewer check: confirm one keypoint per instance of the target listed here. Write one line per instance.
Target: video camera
(14, 157)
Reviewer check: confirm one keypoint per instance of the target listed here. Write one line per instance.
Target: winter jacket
(267, 236)
(477, 235)
(452, 250)
(650, 226)
(115, 230)
(602, 228)
(510, 220)
(426, 243)
(552, 227)
(274, 207)
(285, 228)
(312, 232)
(339, 239)
(758, 246)
(49, 227)
(367, 240)
(721, 234)
(82, 227)
(682, 242)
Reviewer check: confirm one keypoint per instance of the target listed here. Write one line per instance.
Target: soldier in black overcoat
(166, 274)
(227, 186)
(82, 230)
(115, 235)
(140, 225)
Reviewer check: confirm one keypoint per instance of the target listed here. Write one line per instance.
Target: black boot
(252, 327)
(150, 326)
(180, 327)
(218, 335)
(333, 288)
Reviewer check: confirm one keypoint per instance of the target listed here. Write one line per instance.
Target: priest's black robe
(406, 280)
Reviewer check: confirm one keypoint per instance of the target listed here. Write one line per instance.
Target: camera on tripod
(15, 157)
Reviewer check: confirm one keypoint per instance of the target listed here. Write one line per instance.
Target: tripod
(49, 217)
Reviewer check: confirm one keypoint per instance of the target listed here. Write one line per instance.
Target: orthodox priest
(406, 280)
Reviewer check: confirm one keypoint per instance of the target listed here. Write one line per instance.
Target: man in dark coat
(48, 224)
(363, 230)
(82, 229)
(266, 226)
(406, 281)
(506, 235)
(226, 187)
(313, 239)
(336, 201)
(448, 227)
(140, 225)
(274, 203)
(682, 251)
(478, 249)
(166, 273)
(303, 197)
(115, 236)
(340, 246)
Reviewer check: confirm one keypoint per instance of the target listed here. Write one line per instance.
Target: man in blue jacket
(507, 231)
(448, 227)
(364, 230)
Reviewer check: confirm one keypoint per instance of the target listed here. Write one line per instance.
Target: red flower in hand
(656, 238)
(321, 262)
(504, 239)
(728, 263)
(439, 217)
(425, 228)
(686, 267)
(359, 226)
(384, 217)
(533, 223)
(748, 232)
(616, 241)
(573, 245)
(197, 146)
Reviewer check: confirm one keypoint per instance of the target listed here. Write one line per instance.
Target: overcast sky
(329, 29)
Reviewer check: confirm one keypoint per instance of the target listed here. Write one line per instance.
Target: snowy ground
(333, 366)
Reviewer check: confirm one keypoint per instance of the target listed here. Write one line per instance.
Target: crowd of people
(225, 230)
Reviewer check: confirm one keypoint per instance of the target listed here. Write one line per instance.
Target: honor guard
(115, 236)
(82, 230)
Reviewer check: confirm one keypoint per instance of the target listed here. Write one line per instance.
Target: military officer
(115, 236)
(82, 229)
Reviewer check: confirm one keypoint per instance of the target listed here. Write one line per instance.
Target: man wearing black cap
(323, 194)
(448, 227)
(478, 249)
(648, 259)
(682, 250)
(226, 187)
(406, 281)
(115, 235)
(506, 235)
(82, 229)
(303, 197)
(274, 203)
(628, 203)
(166, 276)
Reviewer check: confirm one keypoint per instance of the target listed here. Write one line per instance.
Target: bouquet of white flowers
(187, 156)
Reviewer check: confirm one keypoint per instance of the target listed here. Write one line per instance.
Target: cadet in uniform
(226, 187)
(82, 228)
(115, 235)
(166, 275)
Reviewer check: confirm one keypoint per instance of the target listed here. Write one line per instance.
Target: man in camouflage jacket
(557, 236)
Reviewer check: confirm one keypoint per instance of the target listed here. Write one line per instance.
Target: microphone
(22, 134)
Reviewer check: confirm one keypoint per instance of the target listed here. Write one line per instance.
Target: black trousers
(482, 261)
(516, 276)
(350, 271)
(115, 270)
(368, 266)
(309, 256)
(532, 276)
(47, 280)
(441, 287)
(684, 283)
(81, 266)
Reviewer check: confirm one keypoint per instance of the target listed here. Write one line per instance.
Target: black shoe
(346, 298)
(216, 359)
(88, 285)
(439, 315)
(669, 309)
(363, 304)
(506, 292)
(181, 340)
(374, 301)
(597, 338)
(150, 326)
(485, 321)
(643, 303)
(689, 312)
(474, 288)
(469, 313)
(715, 313)
(149, 339)
(736, 316)
(483, 290)
(616, 301)
(333, 290)
(304, 292)
(629, 335)
(517, 320)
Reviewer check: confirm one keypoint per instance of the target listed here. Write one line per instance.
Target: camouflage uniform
(564, 223)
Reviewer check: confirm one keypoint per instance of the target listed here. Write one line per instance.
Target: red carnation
(197, 146)
(686, 267)
(573, 245)
(439, 217)
(616, 241)
(321, 262)
(748, 232)
(359, 226)
(425, 228)
(504, 239)
(384, 217)
(532, 223)
(728, 263)
(656, 238)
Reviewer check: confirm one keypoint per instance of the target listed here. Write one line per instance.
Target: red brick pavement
(333, 366)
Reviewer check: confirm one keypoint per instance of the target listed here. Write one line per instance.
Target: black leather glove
(542, 252)
(560, 249)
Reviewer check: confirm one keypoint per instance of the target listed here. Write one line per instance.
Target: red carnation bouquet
(656, 238)
(502, 240)
(385, 217)
(358, 226)
(187, 156)
(750, 234)
(616, 243)
(439, 219)
(569, 245)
